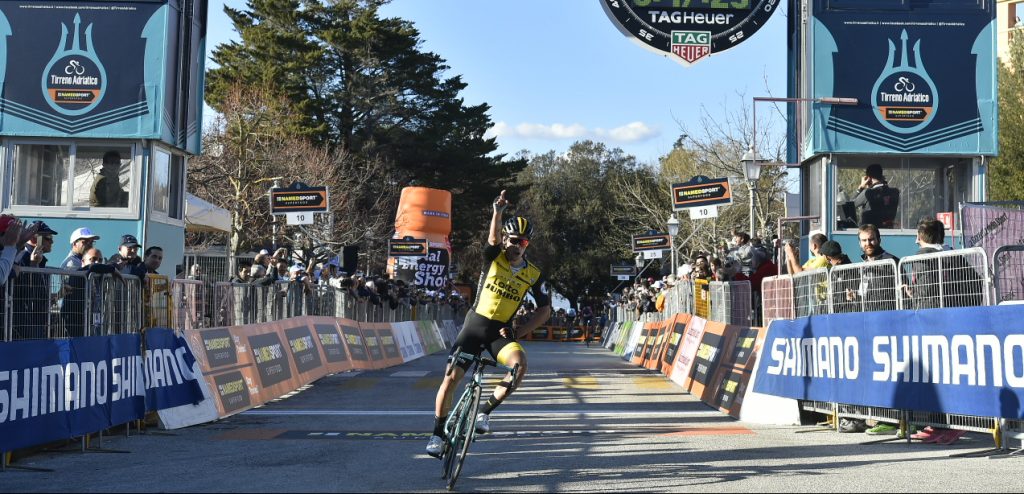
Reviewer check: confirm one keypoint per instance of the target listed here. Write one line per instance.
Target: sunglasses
(518, 241)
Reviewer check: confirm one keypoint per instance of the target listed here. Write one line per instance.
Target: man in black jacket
(76, 312)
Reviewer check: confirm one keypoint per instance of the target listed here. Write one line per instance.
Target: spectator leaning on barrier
(127, 259)
(877, 284)
(961, 286)
(30, 291)
(153, 258)
(815, 262)
(81, 241)
(73, 311)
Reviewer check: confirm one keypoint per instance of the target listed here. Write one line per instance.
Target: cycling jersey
(502, 289)
(500, 293)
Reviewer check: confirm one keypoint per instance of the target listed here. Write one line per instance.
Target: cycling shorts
(479, 333)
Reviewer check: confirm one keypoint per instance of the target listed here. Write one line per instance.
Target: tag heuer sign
(650, 241)
(689, 30)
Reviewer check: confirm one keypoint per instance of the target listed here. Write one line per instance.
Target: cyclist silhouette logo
(75, 80)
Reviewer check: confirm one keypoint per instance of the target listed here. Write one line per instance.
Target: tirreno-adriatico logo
(74, 81)
(691, 45)
(904, 96)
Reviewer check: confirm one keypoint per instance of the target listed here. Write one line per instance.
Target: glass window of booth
(168, 184)
(72, 176)
(898, 192)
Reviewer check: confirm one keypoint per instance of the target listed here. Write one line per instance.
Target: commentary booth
(923, 77)
(101, 107)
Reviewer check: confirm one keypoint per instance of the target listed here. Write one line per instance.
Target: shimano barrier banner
(966, 361)
(170, 381)
(58, 389)
(923, 75)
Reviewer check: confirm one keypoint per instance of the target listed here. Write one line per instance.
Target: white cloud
(631, 132)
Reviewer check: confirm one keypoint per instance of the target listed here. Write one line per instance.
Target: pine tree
(1006, 173)
(365, 86)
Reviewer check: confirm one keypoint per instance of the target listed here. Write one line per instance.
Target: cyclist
(506, 278)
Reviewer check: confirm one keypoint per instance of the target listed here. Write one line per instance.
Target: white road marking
(410, 374)
(509, 413)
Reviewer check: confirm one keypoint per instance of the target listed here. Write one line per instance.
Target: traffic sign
(298, 198)
(703, 212)
(299, 218)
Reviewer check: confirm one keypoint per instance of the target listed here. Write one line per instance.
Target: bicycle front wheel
(467, 429)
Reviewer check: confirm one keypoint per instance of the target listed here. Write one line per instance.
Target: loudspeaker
(350, 259)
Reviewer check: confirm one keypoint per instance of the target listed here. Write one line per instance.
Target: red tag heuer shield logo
(691, 45)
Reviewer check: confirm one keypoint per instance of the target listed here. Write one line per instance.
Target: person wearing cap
(33, 255)
(876, 201)
(127, 259)
(81, 241)
(13, 235)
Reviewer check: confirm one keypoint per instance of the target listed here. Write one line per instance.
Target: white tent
(201, 216)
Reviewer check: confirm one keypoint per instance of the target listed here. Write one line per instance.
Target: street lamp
(673, 229)
(751, 171)
(751, 155)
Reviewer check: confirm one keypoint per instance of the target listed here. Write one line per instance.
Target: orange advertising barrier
(712, 360)
(380, 342)
(738, 363)
(246, 366)
(674, 338)
(250, 365)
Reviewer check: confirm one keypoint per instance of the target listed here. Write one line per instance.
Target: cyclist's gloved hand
(508, 333)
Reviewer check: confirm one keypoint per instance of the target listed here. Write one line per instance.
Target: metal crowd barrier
(810, 291)
(44, 303)
(863, 287)
(238, 303)
(777, 298)
(731, 302)
(1008, 273)
(701, 298)
(190, 311)
(955, 278)
(942, 279)
(157, 304)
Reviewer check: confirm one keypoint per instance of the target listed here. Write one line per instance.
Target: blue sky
(555, 71)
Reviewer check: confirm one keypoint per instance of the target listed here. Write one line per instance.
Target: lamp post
(673, 229)
(751, 155)
(751, 172)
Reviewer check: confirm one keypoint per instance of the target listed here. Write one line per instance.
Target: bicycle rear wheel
(467, 429)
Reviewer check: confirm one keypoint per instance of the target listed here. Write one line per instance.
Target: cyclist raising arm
(506, 278)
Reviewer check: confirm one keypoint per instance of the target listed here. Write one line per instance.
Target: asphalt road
(584, 421)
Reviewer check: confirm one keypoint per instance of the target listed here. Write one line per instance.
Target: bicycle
(460, 428)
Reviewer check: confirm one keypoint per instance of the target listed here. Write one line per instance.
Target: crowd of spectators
(269, 269)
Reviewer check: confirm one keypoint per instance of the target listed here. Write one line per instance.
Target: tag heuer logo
(691, 45)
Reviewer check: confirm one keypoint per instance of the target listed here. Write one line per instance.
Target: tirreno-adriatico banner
(924, 75)
(102, 69)
(966, 361)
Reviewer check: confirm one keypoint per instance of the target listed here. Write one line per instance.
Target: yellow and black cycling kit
(499, 294)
